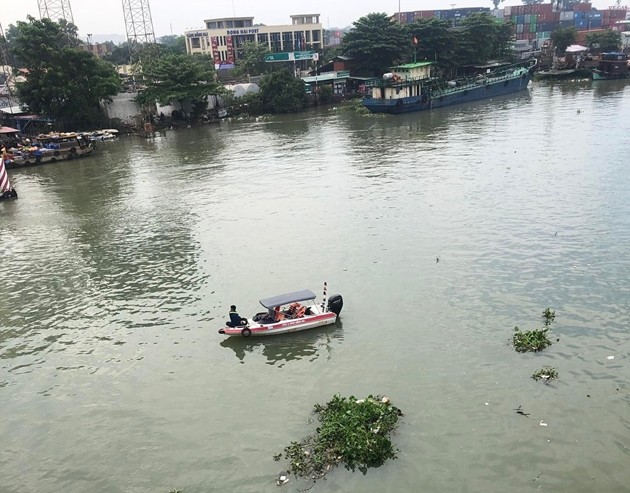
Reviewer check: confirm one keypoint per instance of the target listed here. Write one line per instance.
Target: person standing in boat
(235, 318)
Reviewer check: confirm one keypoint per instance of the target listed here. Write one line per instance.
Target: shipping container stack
(533, 22)
(453, 15)
(543, 20)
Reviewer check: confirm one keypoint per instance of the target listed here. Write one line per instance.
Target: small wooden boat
(51, 148)
(289, 312)
(612, 66)
(554, 73)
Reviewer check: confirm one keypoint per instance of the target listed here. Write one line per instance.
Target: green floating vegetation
(353, 432)
(546, 374)
(530, 340)
(537, 339)
(355, 105)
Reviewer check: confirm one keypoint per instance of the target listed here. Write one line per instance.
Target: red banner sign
(215, 50)
(230, 50)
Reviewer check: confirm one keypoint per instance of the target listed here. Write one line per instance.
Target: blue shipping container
(520, 19)
(581, 24)
(597, 23)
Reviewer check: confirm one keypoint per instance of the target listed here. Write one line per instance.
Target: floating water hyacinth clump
(545, 374)
(537, 339)
(353, 432)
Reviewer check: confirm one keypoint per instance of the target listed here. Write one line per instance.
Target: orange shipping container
(581, 7)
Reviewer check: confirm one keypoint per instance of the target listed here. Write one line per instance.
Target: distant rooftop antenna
(55, 10)
(138, 22)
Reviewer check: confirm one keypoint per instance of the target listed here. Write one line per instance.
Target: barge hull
(465, 95)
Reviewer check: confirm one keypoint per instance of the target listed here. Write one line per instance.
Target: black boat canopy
(285, 299)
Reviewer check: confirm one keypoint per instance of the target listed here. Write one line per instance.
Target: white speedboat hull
(282, 327)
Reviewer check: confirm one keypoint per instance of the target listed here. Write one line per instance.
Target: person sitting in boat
(235, 318)
(277, 314)
(292, 310)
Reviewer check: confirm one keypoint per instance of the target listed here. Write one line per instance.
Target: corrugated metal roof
(326, 76)
(12, 110)
(413, 65)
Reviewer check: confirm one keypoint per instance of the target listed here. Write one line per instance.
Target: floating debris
(282, 479)
(542, 423)
(545, 374)
(520, 411)
(610, 357)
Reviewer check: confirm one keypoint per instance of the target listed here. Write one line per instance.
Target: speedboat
(289, 312)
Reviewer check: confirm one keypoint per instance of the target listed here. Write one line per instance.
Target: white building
(223, 37)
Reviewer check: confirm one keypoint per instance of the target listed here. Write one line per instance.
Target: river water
(118, 269)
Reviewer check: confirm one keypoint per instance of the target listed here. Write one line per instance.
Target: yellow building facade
(222, 38)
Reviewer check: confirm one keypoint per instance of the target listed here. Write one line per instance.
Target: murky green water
(118, 270)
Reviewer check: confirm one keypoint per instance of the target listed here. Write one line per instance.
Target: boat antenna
(324, 298)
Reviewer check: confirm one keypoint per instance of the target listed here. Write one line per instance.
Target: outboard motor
(335, 304)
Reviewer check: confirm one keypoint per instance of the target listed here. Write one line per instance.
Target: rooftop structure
(224, 37)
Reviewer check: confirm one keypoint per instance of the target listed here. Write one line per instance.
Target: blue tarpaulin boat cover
(285, 299)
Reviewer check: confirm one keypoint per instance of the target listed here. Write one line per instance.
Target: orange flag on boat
(5, 184)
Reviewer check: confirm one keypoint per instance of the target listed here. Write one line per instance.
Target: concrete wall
(123, 107)
(169, 108)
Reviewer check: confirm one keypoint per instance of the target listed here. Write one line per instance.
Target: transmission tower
(6, 73)
(55, 10)
(138, 22)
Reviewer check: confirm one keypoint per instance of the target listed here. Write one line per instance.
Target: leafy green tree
(8, 44)
(120, 55)
(175, 43)
(504, 36)
(178, 78)
(563, 37)
(63, 81)
(281, 92)
(436, 41)
(251, 60)
(330, 52)
(607, 40)
(485, 38)
(376, 42)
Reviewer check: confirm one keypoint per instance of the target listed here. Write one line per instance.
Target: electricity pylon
(138, 22)
(55, 10)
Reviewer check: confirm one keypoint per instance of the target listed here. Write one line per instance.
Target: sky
(176, 16)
